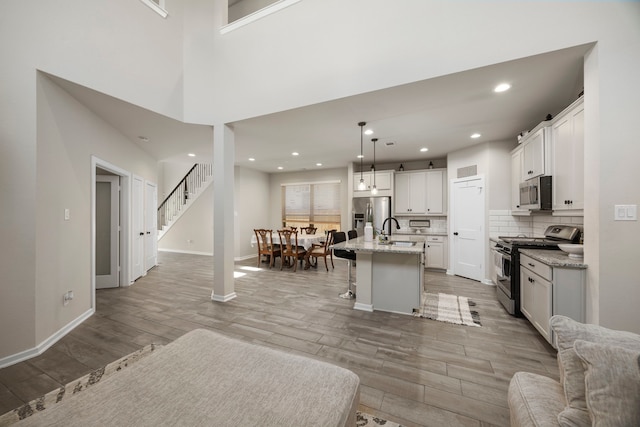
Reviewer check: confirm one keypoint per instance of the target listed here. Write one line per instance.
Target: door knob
(455, 233)
(141, 233)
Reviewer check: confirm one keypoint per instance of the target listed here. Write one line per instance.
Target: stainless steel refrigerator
(379, 209)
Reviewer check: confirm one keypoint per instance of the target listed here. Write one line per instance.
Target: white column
(223, 213)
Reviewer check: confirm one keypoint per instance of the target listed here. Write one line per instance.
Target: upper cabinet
(516, 178)
(410, 193)
(383, 181)
(536, 152)
(420, 192)
(568, 159)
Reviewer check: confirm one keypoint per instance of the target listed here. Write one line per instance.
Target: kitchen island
(390, 274)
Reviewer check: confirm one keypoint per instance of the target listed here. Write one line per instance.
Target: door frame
(135, 205)
(125, 223)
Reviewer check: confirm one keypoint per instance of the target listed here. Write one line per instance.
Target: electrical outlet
(68, 296)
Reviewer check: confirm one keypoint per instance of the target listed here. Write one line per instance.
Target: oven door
(502, 263)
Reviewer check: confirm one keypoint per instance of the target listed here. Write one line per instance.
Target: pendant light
(361, 186)
(374, 189)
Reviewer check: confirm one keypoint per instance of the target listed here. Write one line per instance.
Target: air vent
(390, 144)
(468, 171)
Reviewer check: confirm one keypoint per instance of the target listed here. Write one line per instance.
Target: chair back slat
(265, 238)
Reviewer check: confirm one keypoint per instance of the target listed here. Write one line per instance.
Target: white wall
(118, 47)
(252, 208)
(68, 135)
(193, 231)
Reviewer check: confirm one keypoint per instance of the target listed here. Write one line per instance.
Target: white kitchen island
(389, 276)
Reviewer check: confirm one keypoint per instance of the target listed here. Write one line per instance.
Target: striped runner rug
(448, 308)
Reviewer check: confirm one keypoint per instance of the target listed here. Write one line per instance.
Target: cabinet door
(417, 193)
(435, 255)
(367, 181)
(526, 294)
(577, 196)
(401, 194)
(383, 180)
(516, 179)
(534, 155)
(563, 163)
(435, 192)
(536, 301)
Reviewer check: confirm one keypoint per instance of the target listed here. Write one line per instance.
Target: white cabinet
(436, 252)
(536, 152)
(546, 290)
(567, 135)
(410, 193)
(516, 179)
(436, 192)
(383, 181)
(420, 192)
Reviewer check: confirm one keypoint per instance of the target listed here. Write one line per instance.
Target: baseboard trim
(44, 345)
(363, 307)
(225, 298)
(180, 251)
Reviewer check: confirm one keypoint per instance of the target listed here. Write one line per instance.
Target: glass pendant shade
(362, 186)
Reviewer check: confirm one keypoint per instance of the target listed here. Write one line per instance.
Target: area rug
(367, 420)
(448, 308)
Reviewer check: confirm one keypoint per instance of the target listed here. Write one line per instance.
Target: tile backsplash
(502, 223)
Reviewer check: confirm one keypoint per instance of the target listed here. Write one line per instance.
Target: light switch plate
(625, 213)
(67, 214)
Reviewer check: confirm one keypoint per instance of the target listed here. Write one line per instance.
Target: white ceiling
(439, 114)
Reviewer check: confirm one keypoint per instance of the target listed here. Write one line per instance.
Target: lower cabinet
(436, 252)
(547, 290)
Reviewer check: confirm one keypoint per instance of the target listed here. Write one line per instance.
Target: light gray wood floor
(417, 372)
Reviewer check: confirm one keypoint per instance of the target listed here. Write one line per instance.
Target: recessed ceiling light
(280, 168)
(191, 155)
(318, 164)
(360, 156)
(295, 153)
(475, 135)
(424, 149)
(368, 132)
(143, 138)
(502, 87)
(251, 159)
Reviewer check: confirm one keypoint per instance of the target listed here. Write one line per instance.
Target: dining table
(304, 240)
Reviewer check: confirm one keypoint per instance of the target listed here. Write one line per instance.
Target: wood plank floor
(416, 372)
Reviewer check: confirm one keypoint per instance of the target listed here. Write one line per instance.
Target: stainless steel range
(507, 260)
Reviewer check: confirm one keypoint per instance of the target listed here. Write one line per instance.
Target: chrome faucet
(390, 218)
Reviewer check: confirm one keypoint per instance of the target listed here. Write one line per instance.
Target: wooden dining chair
(321, 250)
(309, 230)
(290, 248)
(266, 246)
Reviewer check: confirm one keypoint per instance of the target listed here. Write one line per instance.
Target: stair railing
(186, 189)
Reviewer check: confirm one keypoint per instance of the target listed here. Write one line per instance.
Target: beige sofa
(205, 378)
(599, 380)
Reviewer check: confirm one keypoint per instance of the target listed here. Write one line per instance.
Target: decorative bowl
(574, 250)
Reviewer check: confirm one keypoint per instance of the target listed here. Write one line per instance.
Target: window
(157, 6)
(311, 204)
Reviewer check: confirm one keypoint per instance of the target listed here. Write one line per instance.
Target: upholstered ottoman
(204, 378)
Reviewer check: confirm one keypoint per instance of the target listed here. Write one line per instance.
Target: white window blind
(312, 203)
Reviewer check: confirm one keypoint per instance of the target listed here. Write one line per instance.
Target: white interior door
(151, 226)
(107, 231)
(138, 228)
(468, 215)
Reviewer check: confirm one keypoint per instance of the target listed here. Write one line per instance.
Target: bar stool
(339, 237)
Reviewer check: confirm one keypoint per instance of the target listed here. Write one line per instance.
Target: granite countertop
(359, 245)
(554, 258)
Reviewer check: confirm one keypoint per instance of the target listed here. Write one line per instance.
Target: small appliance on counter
(506, 255)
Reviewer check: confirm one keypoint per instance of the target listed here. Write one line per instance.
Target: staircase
(180, 199)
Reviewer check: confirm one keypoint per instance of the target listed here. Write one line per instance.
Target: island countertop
(359, 245)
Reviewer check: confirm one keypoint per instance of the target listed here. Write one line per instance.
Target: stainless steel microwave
(535, 194)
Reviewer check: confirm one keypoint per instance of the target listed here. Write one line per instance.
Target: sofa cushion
(534, 400)
(612, 382)
(567, 331)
